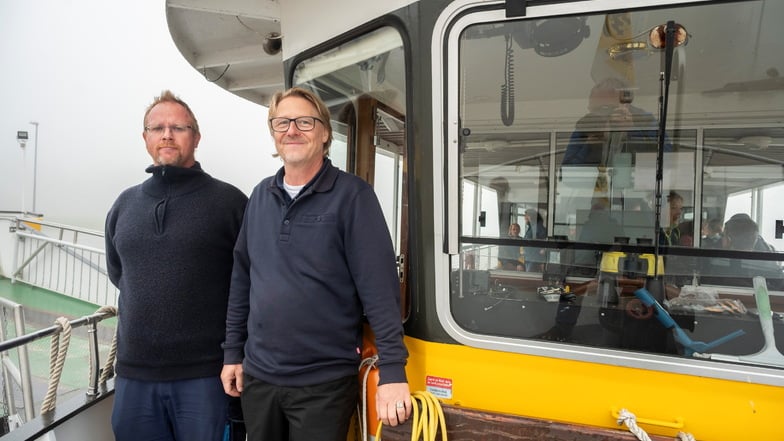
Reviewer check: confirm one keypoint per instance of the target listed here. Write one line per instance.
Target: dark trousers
(278, 413)
(185, 410)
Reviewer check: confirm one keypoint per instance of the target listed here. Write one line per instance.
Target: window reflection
(629, 259)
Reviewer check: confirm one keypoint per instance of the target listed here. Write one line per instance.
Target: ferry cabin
(628, 127)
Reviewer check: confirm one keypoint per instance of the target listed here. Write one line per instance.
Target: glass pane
(630, 252)
(338, 151)
(389, 163)
(743, 176)
(369, 68)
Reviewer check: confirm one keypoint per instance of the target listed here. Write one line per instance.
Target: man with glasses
(313, 256)
(169, 249)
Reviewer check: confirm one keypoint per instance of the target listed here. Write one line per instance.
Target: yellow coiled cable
(424, 422)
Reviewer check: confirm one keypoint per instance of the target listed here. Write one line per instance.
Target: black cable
(507, 89)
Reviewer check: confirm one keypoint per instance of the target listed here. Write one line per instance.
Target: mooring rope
(628, 418)
(107, 371)
(57, 352)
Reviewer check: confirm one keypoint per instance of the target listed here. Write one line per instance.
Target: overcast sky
(85, 71)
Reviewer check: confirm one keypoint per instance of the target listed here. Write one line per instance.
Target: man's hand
(231, 377)
(393, 403)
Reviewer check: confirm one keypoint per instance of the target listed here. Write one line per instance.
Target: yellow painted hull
(592, 394)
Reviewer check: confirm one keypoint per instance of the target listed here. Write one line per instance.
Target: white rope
(108, 367)
(370, 362)
(628, 418)
(57, 352)
(684, 436)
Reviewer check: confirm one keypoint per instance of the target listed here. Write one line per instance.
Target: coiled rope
(425, 422)
(108, 368)
(57, 352)
(628, 418)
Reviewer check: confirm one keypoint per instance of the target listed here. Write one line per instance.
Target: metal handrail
(46, 332)
(21, 375)
(19, 342)
(54, 253)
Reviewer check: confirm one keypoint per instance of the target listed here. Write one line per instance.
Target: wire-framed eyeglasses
(303, 123)
(176, 129)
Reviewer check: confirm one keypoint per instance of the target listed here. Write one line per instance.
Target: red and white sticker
(439, 386)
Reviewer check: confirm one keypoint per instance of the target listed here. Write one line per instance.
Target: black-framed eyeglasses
(159, 130)
(303, 123)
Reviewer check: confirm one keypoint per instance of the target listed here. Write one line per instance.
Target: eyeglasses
(159, 130)
(303, 123)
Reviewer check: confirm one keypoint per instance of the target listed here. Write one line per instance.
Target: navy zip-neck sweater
(169, 244)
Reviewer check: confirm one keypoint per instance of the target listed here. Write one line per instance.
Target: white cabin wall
(310, 23)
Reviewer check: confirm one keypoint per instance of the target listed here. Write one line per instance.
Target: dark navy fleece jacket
(169, 245)
(305, 271)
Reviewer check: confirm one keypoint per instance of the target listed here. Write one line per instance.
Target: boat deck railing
(16, 367)
(61, 258)
(15, 374)
(42, 263)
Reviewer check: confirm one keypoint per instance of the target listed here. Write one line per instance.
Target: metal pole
(35, 162)
(24, 366)
(24, 179)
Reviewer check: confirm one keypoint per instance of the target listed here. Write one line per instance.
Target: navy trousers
(185, 410)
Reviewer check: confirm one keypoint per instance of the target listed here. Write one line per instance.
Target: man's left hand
(393, 403)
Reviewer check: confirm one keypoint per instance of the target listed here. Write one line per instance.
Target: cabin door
(380, 159)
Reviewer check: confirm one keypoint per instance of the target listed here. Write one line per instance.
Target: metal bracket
(515, 8)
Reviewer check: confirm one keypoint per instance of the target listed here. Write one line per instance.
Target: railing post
(24, 366)
(6, 362)
(16, 252)
(95, 364)
(11, 373)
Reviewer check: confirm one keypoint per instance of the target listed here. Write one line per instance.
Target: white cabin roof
(225, 40)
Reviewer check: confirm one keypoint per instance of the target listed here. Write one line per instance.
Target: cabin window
(363, 83)
(566, 213)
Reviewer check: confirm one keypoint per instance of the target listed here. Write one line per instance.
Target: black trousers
(279, 413)
(236, 421)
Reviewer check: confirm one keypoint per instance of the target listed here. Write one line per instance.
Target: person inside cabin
(313, 260)
(671, 234)
(599, 227)
(510, 257)
(169, 250)
(741, 233)
(712, 234)
(534, 229)
(742, 222)
(612, 126)
(686, 229)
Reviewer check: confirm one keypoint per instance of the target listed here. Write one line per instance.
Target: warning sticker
(440, 387)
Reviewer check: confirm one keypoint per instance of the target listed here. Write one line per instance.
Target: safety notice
(439, 386)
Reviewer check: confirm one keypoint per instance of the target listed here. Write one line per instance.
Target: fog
(85, 72)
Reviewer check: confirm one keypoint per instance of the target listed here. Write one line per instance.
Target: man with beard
(169, 243)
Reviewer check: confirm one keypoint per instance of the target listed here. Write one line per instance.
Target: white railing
(60, 258)
(16, 369)
(15, 374)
